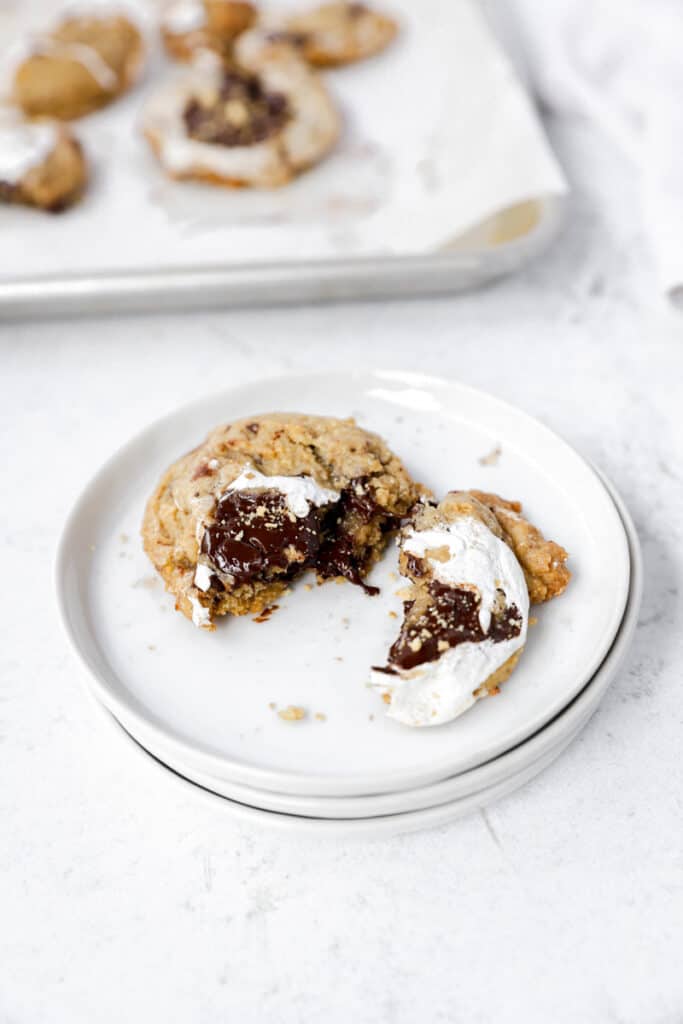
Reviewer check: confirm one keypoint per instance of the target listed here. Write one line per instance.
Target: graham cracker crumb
(440, 554)
(320, 717)
(533, 620)
(148, 582)
(266, 613)
(492, 458)
(272, 705)
(393, 615)
(292, 713)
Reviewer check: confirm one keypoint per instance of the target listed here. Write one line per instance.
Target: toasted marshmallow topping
(465, 555)
(300, 492)
(200, 614)
(184, 16)
(23, 146)
(202, 577)
(80, 53)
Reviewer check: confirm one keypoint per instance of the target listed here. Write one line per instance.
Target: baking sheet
(440, 141)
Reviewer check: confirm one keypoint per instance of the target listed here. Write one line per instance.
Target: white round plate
(353, 828)
(207, 697)
(538, 750)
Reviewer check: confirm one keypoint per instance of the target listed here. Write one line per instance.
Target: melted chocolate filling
(255, 536)
(242, 114)
(451, 618)
(338, 556)
(255, 532)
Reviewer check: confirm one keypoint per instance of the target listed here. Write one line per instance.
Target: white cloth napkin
(620, 63)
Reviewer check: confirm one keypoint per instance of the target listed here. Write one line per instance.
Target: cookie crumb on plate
(492, 458)
(292, 713)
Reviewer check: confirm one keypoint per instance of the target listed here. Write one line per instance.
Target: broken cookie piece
(543, 560)
(466, 611)
(264, 499)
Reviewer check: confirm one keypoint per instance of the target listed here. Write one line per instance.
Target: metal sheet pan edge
(325, 280)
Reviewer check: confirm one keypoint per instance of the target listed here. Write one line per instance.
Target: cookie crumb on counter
(320, 717)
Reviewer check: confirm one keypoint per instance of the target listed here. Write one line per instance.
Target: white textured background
(122, 901)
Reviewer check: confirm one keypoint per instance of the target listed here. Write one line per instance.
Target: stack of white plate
(204, 708)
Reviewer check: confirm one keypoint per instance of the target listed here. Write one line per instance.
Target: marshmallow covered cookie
(474, 565)
(259, 121)
(41, 164)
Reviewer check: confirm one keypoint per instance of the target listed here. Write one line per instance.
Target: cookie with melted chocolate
(466, 611)
(264, 499)
(257, 121)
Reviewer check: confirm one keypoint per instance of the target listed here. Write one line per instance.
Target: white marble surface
(122, 901)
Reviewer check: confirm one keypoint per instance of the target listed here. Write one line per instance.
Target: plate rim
(250, 774)
(568, 723)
